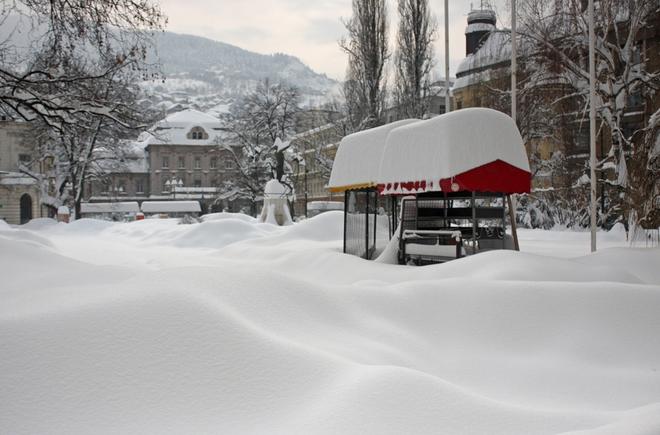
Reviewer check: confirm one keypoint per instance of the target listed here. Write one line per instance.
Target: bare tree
(114, 34)
(414, 57)
(644, 194)
(557, 33)
(75, 148)
(257, 122)
(367, 49)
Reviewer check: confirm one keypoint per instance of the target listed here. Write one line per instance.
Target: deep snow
(231, 326)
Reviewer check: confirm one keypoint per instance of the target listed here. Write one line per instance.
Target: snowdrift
(252, 328)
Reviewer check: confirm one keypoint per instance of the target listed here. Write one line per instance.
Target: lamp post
(172, 184)
(514, 61)
(447, 102)
(512, 200)
(592, 121)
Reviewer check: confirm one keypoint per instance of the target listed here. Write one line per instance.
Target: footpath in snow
(231, 326)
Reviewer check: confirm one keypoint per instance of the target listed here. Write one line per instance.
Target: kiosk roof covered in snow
(171, 207)
(109, 207)
(476, 149)
(358, 158)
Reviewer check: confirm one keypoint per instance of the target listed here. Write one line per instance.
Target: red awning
(497, 177)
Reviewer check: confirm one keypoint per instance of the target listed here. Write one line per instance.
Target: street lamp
(172, 185)
(447, 100)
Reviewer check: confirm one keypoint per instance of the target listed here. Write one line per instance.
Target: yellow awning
(337, 189)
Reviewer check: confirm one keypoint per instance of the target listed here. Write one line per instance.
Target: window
(182, 162)
(214, 163)
(459, 104)
(229, 164)
(139, 186)
(24, 158)
(165, 186)
(166, 162)
(197, 183)
(197, 133)
(198, 163)
(635, 99)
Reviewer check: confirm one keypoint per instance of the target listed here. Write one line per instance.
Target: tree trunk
(279, 168)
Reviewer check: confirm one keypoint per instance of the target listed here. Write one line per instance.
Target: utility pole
(512, 200)
(447, 100)
(592, 121)
(514, 61)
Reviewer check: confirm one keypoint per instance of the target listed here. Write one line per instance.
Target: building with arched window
(180, 158)
(19, 193)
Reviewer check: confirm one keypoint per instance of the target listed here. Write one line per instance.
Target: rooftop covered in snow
(187, 127)
(358, 157)
(109, 207)
(475, 149)
(171, 207)
(494, 50)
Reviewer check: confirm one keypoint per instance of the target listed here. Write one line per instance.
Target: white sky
(307, 29)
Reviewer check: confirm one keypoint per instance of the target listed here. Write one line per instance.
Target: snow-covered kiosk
(449, 179)
(116, 211)
(171, 209)
(355, 172)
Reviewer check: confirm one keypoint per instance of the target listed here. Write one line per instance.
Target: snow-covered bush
(567, 208)
(188, 220)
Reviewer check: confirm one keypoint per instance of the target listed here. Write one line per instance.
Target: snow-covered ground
(230, 326)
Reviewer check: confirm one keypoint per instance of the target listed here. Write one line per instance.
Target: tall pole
(514, 61)
(447, 101)
(592, 121)
(512, 202)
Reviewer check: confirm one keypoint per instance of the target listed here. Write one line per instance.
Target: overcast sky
(307, 29)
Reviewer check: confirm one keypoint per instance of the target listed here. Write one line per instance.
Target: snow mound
(4, 226)
(226, 215)
(219, 233)
(39, 224)
(520, 266)
(24, 236)
(641, 263)
(88, 226)
(261, 329)
(323, 227)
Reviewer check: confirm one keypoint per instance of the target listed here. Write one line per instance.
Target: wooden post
(474, 224)
(346, 193)
(514, 231)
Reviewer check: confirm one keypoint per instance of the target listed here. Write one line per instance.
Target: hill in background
(209, 75)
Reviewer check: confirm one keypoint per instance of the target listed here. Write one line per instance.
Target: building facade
(20, 195)
(184, 156)
(551, 114)
(311, 174)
